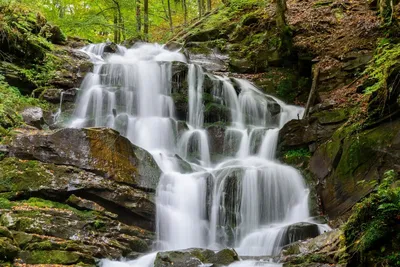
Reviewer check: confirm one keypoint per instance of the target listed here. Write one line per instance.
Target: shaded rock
(315, 130)
(110, 48)
(56, 35)
(53, 95)
(216, 135)
(350, 157)
(8, 250)
(195, 257)
(299, 231)
(205, 35)
(33, 116)
(214, 112)
(99, 150)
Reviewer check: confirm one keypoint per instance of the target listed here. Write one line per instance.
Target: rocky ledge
(74, 196)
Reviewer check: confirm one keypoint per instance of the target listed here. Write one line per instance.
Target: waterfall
(247, 199)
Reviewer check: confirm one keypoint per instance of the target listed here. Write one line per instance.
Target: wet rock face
(299, 231)
(195, 257)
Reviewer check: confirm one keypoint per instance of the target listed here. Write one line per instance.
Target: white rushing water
(246, 200)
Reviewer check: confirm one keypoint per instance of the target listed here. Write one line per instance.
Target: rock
(47, 232)
(33, 116)
(58, 182)
(214, 112)
(205, 35)
(321, 251)
(216, 135)
(195, 257)
(315, 130)
(110, 48)
(8, 250)
(73, 67)
(57, 36)
(299, 231)
(99, 150)
(84, 203)
(349, 157)
(53, 95)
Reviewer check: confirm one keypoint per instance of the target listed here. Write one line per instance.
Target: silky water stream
(245, 199)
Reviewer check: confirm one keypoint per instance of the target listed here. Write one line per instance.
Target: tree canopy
(119, 20)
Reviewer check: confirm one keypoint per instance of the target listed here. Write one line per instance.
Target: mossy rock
(8, 250)
(352, 156)
(195, 256)
(52, 257)
(332, 116)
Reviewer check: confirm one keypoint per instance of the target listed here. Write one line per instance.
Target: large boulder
(195, 257)
(99, 150)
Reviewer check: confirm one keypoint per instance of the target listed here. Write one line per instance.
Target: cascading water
(246, 200)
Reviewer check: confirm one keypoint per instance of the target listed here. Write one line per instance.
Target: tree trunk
(184, 11)
(138, 17)
(313, 93)
(115, 28)
(199, 3)
(146, 20)
(208, 5)
(280, 13)
(170, 16)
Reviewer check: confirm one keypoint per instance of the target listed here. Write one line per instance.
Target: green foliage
(372, 233)
(94, 20)
(12, 102)
(296, 156)
(5, 203)
(386, 59)
(20, 33)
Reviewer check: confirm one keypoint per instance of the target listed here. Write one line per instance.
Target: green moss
(50, 257)
(332, 116)
(8, 250)
(5, 203)
(372, 232)
(386, 57)
(22, 238)
(42, 203)
(20, 175)
(360, 147)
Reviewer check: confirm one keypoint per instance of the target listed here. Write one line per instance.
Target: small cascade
(247, 199)
(56, 116)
